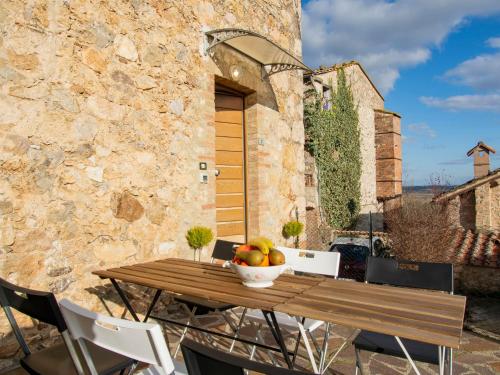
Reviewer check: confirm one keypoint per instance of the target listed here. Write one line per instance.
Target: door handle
(217, 172)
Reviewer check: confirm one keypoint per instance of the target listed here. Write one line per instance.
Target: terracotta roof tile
(480, 248)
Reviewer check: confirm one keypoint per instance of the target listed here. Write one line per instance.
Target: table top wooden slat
(210, 281)
(431, 317)
(428, 316)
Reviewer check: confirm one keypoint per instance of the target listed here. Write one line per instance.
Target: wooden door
(230, 164)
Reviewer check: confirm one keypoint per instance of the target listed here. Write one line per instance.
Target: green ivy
(332, 137)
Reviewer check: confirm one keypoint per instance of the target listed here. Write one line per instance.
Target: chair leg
(413, 365)
(254, 347)
(269, 353)
(308, 347)
(237, 332)
(347, 341)
(450, 362)
(324, 348)
(441, 359)
(315, 342)
(184, 331)
(359, 365)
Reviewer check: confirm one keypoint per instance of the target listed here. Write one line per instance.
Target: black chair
(196, 307)
(60, 359)
(433, 276)
(203, 360)
(223, 250)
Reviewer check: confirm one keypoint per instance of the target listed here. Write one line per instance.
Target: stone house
(380, 131)
(475, 205)
(123, 124)
(475, 208)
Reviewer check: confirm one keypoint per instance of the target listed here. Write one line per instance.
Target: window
(327, 97)
(309, 180)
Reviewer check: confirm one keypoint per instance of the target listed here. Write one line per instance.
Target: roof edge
(346, 65)
(469, 185)
(388, 112)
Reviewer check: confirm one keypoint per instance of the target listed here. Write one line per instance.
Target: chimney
(481, 154)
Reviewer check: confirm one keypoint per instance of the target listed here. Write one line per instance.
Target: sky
(437, 63)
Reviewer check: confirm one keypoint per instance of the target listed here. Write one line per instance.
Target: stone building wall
(479, 280)
(495, 204)
(367, 99)
(106, 110)
(483, 206)
(467, 215)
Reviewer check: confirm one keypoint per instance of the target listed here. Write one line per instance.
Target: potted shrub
(197, 238)
(293, 229)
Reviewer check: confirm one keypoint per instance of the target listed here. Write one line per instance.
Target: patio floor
(477, 355)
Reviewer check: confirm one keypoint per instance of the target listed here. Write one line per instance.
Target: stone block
(94, 60)
(125, 48)
(24, 62)
(125, 206)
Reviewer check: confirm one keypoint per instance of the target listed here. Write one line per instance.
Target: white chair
(142, 342)
(312, 262)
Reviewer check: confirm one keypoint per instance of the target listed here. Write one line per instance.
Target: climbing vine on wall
(332, 137)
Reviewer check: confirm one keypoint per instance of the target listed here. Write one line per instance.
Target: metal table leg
(129, 307)
(276, 331)
(152, 305)
(297, 343)
(125, 300)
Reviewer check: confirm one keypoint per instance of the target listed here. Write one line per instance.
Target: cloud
(421, 129)
(481, 72)
(493, 42)
(383, 36)
(487, 102)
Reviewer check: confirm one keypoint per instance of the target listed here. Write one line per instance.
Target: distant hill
(425, 192)
(426, 188)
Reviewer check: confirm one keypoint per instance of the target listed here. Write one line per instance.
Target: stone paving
(477, 355)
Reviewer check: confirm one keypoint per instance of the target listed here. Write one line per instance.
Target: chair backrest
(38, 305)
(312, 261)
(223, 250)
(434, 276)
(140, 341)
(204, 360)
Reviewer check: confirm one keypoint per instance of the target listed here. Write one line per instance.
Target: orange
(244, 264)
(243, 248)
(265, 262)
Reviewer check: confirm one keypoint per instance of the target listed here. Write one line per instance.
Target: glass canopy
(274, 58)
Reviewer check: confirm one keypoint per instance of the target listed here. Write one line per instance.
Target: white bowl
(258, 277)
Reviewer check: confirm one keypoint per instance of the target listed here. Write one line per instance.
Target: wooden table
(427, 316)
(422, 315)
(209, 281)
(213, 283)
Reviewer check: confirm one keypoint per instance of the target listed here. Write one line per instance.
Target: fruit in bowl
(258, 263)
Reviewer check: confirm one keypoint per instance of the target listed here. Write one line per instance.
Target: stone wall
(106, 109)
(483, 206)
(495, 204)
(477, 209)
(478, 280)
(367, 99)
(467, 215)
